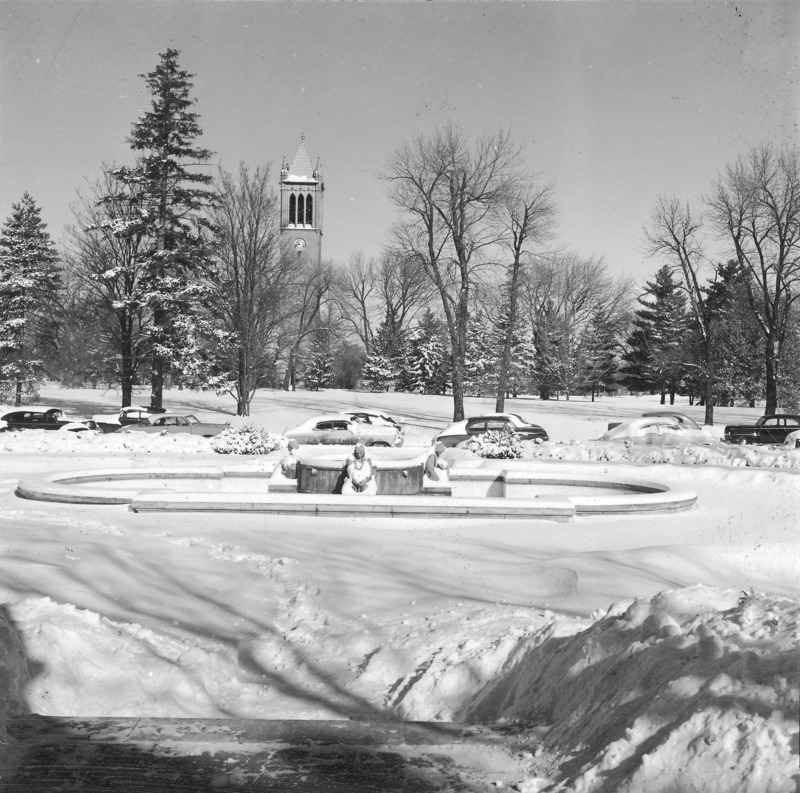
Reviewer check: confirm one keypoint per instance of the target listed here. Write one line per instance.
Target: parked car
(131, 414)
(767, 429)
(172, 423)
(375, 419)
(343, 429)
(657, 430)
(82, 425)
(792, 441)
(459, 431)
(33, 418)
(680, 418)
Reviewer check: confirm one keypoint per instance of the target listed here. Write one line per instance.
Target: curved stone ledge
(485, 491)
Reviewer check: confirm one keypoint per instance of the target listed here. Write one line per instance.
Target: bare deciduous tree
(309, 293)
(565, 295)
(755, 206)
(253, 274)
(403, 288)
(447, 189)
(387, 292)
(526, 216)
(673, 233)
(356, 291)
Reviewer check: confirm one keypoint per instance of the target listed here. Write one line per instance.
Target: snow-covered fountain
(471, 488)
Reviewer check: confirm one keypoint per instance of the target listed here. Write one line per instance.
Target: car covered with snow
(766, 430)
(343, 429)
(792, 440)
(82, 425)
(680, 418)
(124, 417)
(176, 423)
(460, 431)
(660, 430)
(375, 419)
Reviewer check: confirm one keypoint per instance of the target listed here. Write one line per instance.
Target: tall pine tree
(427, 364)
(30, 280)
(170, 197)
(319, 367)
(655, 358)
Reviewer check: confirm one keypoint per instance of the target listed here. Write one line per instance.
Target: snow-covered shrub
(496, 444)
(247, 439)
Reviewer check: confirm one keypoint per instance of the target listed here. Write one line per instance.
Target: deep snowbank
(693, 690)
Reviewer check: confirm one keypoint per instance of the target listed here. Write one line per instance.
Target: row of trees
(170, 271)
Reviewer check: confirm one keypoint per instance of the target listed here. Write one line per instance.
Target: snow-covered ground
(638, 653)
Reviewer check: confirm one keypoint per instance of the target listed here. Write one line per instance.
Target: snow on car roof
(32, 408)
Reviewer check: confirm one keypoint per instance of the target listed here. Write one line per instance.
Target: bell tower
(301, 188)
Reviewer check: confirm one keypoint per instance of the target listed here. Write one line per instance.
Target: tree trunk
(771, 378)
(505, 359)
(709, 400)
(288, 378)
(18, 390)
(710, 380)
(242, 390)
(126, 375)
(157, 384)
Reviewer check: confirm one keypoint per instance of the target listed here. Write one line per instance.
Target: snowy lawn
(648, 652)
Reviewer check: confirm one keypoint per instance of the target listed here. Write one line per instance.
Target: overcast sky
(613, 102)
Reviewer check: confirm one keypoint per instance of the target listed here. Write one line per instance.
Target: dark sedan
(460, 431)
(30, 418)
(767, 429)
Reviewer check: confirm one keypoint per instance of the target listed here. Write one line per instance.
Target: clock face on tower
(299, 245)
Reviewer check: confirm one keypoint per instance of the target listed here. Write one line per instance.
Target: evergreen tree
(319, 367)
(600, 352)
(560, 356)
(518, 348)
(481, 359)
(169, 198)
(106, 248)
(655, 358)
(380, 370)
(30, 280)
(522, 367)
(426, 366)
(737, 338)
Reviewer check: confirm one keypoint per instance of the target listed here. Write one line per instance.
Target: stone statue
(289, 463)
(435, 465)
(360, 473)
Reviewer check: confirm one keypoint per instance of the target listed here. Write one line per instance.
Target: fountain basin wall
(497, 489)
(325, 474)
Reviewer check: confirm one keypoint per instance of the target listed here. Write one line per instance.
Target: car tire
(380, 444)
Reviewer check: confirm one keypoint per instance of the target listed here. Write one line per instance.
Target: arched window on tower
(300, 209)
(309, 211)
(292, 209)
